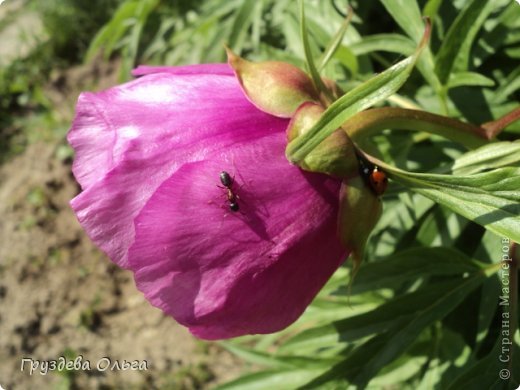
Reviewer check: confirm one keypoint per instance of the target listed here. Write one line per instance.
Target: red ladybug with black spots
(375, 178)
(378, 181)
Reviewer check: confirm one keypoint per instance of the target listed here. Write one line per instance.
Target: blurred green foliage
(68, 28)
(72, 24)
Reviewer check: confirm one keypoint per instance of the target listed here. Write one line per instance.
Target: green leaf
(501, 30)
(431, 8)
(112, 32)
(469, 78)
(124, 30)
(508, 87)
(335, 43)
(491, 156)
(394, 43)
(412, 264)
(275, 361)
(484, 374)
(253, 356)
(394, 313)
(491, 199)
(367, 94)
(273, 379)
(408, 16)
(454, 52)
(241, 23)
(440, 227)
(384, 348)
(313, 70)
(345, 56)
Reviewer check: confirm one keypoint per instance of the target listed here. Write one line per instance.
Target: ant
(228, 181)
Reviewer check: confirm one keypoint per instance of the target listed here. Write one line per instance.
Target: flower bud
(334, 156)
(359, 211)
(275, 87)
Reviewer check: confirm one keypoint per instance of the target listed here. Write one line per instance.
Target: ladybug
(378, 181)
(374, 178)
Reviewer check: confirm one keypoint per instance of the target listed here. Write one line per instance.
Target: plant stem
(367, 123)
(493, 128)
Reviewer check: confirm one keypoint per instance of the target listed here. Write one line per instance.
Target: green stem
(370, 122)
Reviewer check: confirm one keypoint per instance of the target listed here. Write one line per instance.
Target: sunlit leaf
(491, 199)
(382, 349)
(453, 54)
(369, 93)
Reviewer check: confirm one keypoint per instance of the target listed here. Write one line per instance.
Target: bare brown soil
(60, 296)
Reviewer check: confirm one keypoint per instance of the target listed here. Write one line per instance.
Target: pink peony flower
(148, 158)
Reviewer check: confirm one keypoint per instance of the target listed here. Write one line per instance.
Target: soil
(60, 296)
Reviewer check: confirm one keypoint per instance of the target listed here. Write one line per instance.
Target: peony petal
(149, 110)
(224, 273)
(130, 138)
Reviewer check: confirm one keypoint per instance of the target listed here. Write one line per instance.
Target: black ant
(227, 181)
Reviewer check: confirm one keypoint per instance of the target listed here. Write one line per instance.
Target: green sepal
(334, 156)
(275, 87)
(359, 211)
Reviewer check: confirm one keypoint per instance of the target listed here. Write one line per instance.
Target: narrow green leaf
(431, 8)
(275, 361)
(412, 264)
(470, 79)
(394, 43)
(393, 313)
(508, 87)
(364, 96)
(316, 78)
(454, 52)
(499, 32)
(255, 357)
(256, 25)
(491, 156)
(345, 56)
(335, 43)
(273, 379)
(384, 348)
(401, 370)
(354, 101)
(124, 30)
(491, 290)
(408, 16)
(107, 38)
(491, 199)
(241, 23)
(485, 373)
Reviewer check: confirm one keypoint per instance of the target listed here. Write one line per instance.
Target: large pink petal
(224, 273)
(152, 109)
(221, 69)
(130, 138)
